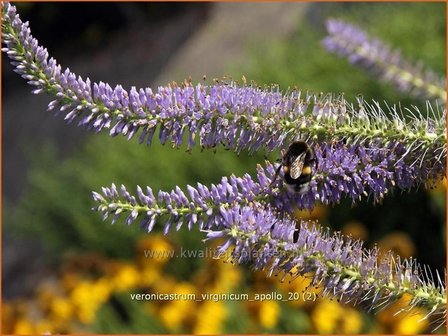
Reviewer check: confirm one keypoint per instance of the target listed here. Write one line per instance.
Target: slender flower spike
(375, 56)
(238, 117)
(340, 265)
(344, 171)
(200, 205)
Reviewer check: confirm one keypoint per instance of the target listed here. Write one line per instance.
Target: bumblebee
(299, 163)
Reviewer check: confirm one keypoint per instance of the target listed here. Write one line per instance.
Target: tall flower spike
(340, 265)
(201, 204)
(354, 172)
(375, 56)
(239, 117)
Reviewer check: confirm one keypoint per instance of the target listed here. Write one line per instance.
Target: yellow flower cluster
(70, 303)
(410, 324)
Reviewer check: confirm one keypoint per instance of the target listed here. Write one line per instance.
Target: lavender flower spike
(350, 41)
(200, 205)
(239, 117)
(238, 209)
(340, 265)
(353, 172)
(234, 210)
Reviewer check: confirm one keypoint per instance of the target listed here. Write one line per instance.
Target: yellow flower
(330, 317)
(325, 316)
(82, 293)
(154, 250)
(300, 289)
(88, 297)
(210, 317)
(170, 316)
(352, 321)
(126, 277)
(102, 288)
(23, 326)
(184, 288)
(318, 212)
(86, 314)
(174, 313)
(268, 314)
(409, 324)
(356, 230)
(228, 277)
(184, 305)
(405, 323)
(399, 243)
(61, 308)
(217, 275)
(164, 285)
(149, 275)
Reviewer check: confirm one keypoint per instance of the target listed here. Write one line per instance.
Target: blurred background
(66, 271)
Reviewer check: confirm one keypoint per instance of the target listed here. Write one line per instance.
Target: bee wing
(297, 166)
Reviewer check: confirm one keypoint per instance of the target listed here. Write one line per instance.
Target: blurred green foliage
(417, 29)
(56, 207)
(132, 319)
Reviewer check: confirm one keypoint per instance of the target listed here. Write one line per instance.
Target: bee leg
(295, 236)
(272, 228)
(315, 162)
(276, 175)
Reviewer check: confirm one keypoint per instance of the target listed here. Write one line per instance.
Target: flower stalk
(340, 265)
(354, 172)
(256, 234)
(372, 54)
(243, 117)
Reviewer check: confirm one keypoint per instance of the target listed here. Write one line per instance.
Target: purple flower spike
(343, 171)
(357, 171)
(351, 42)
(201, 205)
(341, 266)
(243, 117)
